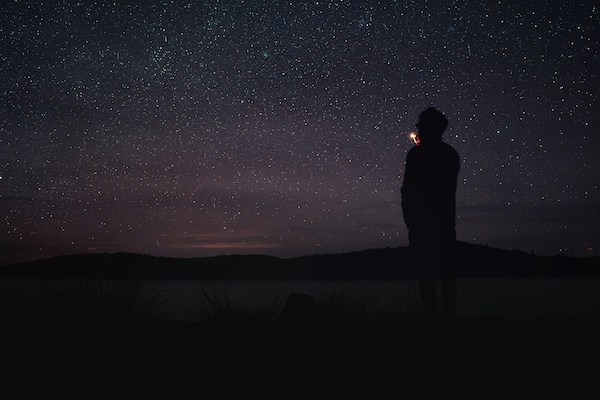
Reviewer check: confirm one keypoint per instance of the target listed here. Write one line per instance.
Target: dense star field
(199, 128)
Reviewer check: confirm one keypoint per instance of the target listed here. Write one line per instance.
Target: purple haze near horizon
(190, 129)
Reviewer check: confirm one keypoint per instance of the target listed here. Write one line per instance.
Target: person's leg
(449, 296)
(429, 297)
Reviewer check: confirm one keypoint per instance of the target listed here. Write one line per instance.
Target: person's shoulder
(413, 152)
(448, 147)
(450, 150)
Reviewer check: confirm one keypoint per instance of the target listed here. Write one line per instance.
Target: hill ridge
(389, 262)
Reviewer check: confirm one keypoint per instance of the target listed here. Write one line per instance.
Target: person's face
(423, 130)
(418, 126)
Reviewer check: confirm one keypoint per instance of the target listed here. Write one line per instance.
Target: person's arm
(407, 192)
(453, 182)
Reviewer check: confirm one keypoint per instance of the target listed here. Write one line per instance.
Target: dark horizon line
(334, 253)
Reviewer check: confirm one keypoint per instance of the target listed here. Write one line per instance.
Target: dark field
(92, 337)
(334, 326)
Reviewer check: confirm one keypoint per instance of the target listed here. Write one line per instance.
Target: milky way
(200, 128)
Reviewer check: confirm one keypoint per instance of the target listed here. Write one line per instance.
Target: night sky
(203, 128)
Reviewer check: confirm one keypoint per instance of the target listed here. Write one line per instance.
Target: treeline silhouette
(472, 261)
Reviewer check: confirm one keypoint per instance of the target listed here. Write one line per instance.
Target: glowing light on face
(414, 137)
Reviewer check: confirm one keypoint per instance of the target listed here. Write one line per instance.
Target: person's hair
(432, 122)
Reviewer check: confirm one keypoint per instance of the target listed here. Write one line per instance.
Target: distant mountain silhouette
(474, 261)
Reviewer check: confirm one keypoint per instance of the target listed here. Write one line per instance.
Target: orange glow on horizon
(226, 245)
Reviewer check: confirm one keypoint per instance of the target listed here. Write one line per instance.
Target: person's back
(429, 189)
(429, 208)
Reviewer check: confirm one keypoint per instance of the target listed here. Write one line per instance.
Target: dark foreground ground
(303, 357)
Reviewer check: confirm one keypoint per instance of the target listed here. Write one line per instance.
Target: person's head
(432, 124)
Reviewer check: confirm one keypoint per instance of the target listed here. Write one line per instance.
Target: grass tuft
(215, 305)
(98, 301)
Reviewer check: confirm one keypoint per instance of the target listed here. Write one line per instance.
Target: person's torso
(435, 167)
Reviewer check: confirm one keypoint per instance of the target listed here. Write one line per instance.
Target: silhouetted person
(429, 208)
